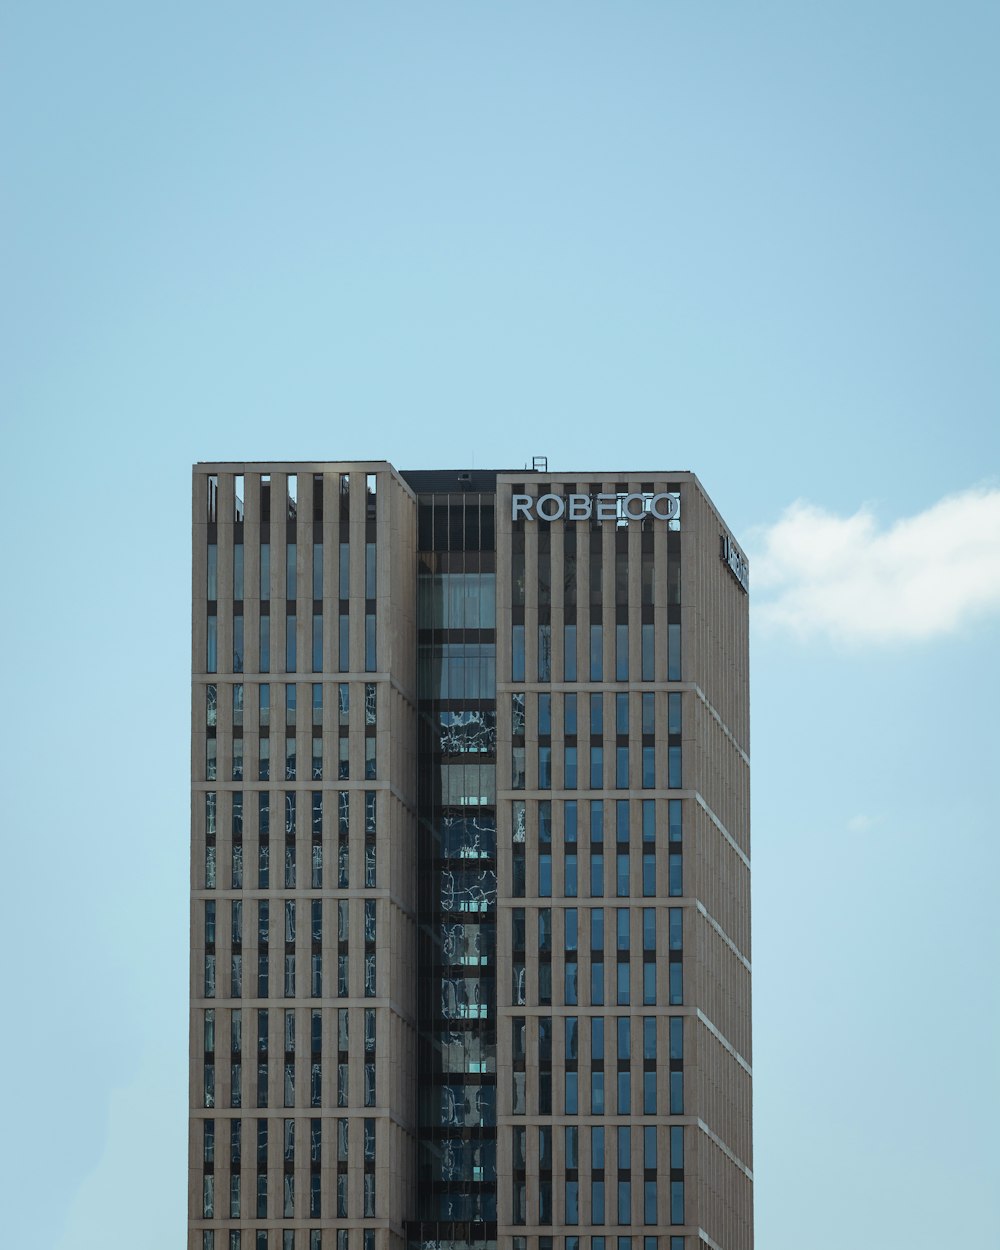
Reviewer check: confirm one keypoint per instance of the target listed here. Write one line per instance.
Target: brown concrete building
(470, 927)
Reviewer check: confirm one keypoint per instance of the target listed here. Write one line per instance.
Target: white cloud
(814, 572)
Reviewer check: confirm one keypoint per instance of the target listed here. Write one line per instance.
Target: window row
(609, 1083)
(266, 1147)
(592, 714)
(632, 768)
(600, 1243)
(533, 1036)
(599, 820)
(283, 1204)
(289, 507)
(275, 1079)
(286, 766)
(308, 586)
(287, 847)
(623, 920)
(284, 1022)
(241, 661)
(286, 712)
(286, 957)
(602, 1195)
(590, 654)
(292, 1239)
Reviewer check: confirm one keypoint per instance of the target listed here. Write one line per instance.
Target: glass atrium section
(458, 873)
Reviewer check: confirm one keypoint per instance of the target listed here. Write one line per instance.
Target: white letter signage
(606, 507)
(735, 561)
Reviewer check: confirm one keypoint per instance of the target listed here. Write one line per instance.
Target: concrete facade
(589, 765)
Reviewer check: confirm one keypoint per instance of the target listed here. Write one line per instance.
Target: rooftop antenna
(539, 464)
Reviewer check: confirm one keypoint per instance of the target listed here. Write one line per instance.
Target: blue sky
(754, 241)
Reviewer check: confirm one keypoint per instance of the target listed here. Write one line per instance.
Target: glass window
(676, 1093)
(544, 653)
(676, 984)
(596, 875)
(212, 645)
(649, 1148)
(370, 569)
(570, 875)
(290, 580)
(649, 1093)
(572, 1097)
(597, 984)
(622, 820)
(675, 882)
(345, 571)
(344, 643)
(265, 571)
(673, 713)
(596, 653)
(569, 654)
(621, 715)
(290, 644)
(571, 1026)
(596, 1038)
(544, 715)
(238, 643)
(370, 652)
(622, 927)
(517, 653)
(622, 875)
(317, 643)
(317, 570)
(621, 653)
(597, 1147)
(673, 653)
(624, 1149)
(648, 655)
(597, 929)
(676, 1147)
(621, 768)
(212, 586)
(623, 984)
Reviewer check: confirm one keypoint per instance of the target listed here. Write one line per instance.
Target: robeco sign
(663, 506)
(735, 561)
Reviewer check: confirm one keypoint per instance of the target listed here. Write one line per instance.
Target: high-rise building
(470, 927)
